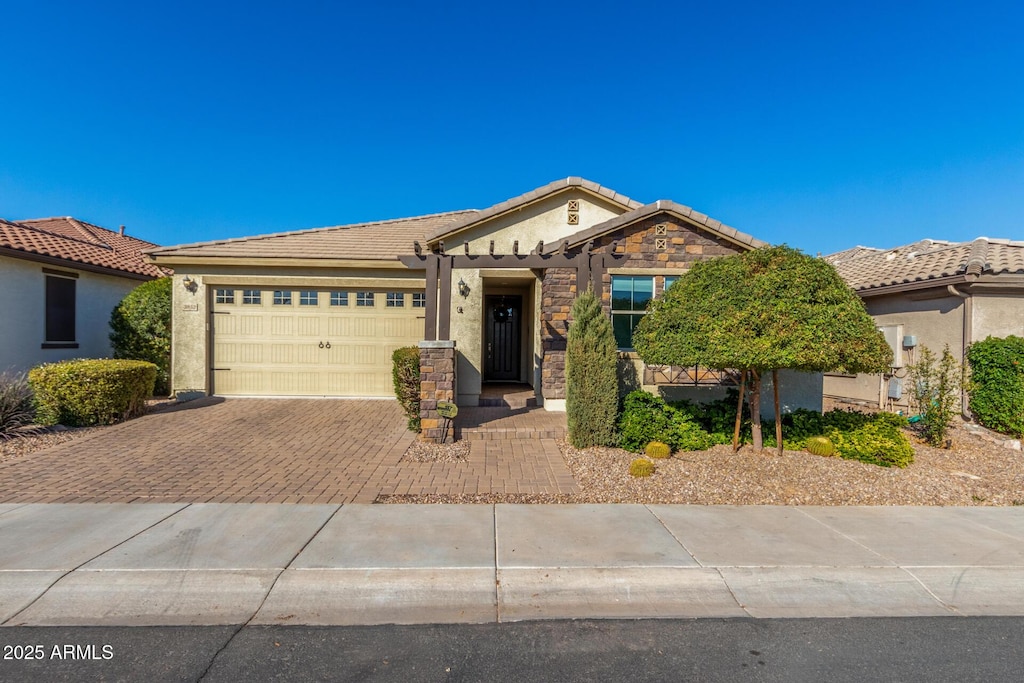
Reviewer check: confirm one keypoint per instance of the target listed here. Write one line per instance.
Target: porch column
(437, 383)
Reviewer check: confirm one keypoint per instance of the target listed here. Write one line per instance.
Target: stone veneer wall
(437, 383)
(558, 291)
(684, 245)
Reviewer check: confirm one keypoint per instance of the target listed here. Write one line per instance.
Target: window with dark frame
(60, 310)
(630, 295)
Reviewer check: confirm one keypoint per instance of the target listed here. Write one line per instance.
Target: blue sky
(815, 124)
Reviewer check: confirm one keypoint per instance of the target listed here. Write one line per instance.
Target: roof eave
(271, 261)
(76, 265)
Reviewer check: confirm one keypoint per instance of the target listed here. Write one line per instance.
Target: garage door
(323, 342)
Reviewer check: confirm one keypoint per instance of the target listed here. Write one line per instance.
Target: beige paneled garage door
(320, 342)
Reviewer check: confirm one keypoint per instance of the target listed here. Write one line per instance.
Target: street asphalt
(329, 565)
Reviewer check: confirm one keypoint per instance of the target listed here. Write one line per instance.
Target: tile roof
(866, 268)
(532, 196)
(78, 242)
(647, 210)
(378, 240)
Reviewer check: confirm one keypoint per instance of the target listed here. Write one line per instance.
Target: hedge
(997, 384)
(80, 393)
(405, 373)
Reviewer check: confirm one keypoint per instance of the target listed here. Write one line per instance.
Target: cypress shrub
(997, 384)
(82, 393)
(592, 383)
(405, 373)
(140, 328)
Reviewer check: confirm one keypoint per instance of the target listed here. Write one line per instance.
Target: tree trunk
(778, 413)
(755, 411)
(739, 413)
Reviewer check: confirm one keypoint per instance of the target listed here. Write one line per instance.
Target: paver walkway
(271, 451)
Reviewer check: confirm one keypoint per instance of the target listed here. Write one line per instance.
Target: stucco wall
(545, 220)
(935, 322)
(997, 316)
(23, 309)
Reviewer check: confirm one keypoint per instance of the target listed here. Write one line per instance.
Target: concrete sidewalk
(203, 564)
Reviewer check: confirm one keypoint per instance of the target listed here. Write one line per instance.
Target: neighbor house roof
(379, 240)
(868, 269)
(646, 211)
(73, 242)
(530, 197)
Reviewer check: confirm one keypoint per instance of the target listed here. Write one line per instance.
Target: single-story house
(485, 293)
(928, 294)
(61, 278)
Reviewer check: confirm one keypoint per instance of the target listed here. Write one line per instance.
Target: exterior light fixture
(189, 284)
(463, 288)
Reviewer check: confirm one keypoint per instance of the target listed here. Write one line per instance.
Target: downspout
(968, 317)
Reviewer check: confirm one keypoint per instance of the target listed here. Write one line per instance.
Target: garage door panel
(275, 349)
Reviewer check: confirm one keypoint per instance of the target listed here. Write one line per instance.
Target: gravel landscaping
(973, 472)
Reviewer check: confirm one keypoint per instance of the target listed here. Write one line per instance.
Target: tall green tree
(759, 312)
(140, 328)
(592, 385)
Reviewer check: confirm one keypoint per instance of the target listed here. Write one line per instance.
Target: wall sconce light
(463, 288)
(189, 284)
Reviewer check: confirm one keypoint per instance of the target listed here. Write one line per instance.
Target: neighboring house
(318, 312)
(61, 279)
(928, 294)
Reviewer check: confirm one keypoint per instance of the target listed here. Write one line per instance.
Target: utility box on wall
(894, 338)
(895, 388)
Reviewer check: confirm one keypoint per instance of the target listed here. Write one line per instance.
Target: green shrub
(80, 393)
(17, 408)
(141, 328)
(820, 445)
(718, 418)
(936, 389)
(405, 373)
(879, 442)
(641, 468)
(656, 450)
(997, 384)
(646, 418)
(592, 384)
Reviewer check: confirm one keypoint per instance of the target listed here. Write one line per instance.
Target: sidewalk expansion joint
(85, 562)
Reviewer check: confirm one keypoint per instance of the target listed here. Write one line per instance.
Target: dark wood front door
(503, 351)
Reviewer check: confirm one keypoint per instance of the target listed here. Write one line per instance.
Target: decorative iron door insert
(503, 344)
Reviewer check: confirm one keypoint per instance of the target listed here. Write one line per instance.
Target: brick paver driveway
(267, 451)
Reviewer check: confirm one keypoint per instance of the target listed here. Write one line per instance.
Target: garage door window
(396, 300)
(309, 299)
(251, 296)
(282, 298)
(225, 296)
(364, 298)
(339, 298)
(419, 300)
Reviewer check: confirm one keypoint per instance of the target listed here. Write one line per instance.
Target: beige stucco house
(929, 294)
(61, 278)
(487, 292)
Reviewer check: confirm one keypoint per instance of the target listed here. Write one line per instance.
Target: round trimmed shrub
(997, 384)
(140, 328)
(81, 393)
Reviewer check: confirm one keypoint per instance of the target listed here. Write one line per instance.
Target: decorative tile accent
(660, 229)
(574, 218)
(660, 243)
(574, 205)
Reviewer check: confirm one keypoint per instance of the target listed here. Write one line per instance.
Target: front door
(503, 349)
